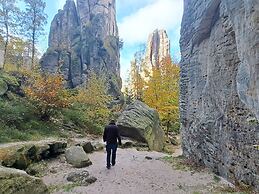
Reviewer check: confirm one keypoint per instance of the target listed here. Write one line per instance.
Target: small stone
(37, 169)
(81, 178)
(173, 141)
(53, 171)
(88, 147)
(98, 146)
(148, 158)
(127, 144)
(91, 179)
(77, 176)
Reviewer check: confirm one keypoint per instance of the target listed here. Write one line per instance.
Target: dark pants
(111, 150)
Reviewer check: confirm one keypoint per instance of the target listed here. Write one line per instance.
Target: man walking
(110, 136)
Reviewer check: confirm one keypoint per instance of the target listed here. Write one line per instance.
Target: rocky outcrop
(220, 86)
(21, 155)
(77, 157)
(14, 181)
(158, 48)
(142, 123)
(84, 37)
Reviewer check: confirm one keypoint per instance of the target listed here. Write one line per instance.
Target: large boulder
(77, 157)
(21, 155)
(142, 123)
(14, 181)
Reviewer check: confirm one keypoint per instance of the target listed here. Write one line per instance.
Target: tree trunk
(6, 44)
(33, 37)
(33, 49)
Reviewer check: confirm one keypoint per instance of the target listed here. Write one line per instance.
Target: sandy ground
(133, 174)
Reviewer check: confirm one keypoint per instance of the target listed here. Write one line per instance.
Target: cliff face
(158, 47)
(219, 99)
(84, 37)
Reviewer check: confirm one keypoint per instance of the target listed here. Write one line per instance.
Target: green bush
(76, 117)
(19, 122)
(15, 112)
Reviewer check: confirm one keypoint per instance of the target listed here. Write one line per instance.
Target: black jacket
(111, 134)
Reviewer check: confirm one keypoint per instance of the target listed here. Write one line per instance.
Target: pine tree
(34, 21)
(9, 16)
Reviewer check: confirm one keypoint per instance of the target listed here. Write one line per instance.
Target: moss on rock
(18, 182)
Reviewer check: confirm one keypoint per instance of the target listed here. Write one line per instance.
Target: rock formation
(219, 98)
(18, 182)
(84, 37)
(22, 155)
(142, 123)
(158, 47)
(77, 157)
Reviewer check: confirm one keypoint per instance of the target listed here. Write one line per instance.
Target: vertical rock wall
(219, 98)
(158, 47)
(84, 36)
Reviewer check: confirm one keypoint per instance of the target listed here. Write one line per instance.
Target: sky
(136, 20)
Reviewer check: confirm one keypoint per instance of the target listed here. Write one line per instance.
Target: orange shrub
(48, 93)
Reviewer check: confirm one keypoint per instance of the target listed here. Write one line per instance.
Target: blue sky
(136, 20)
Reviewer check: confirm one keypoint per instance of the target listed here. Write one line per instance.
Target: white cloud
(60, 3)
(161, 14)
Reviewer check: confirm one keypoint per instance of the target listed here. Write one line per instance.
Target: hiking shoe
(108, 167)
(113, 164)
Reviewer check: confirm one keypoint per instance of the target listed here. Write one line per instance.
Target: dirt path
(133, 174)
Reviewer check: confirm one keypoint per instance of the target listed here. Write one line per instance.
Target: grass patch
(70, 187)
(12, 134)
(65, 187)
(233, 190)
(19, 122)
(181, 163)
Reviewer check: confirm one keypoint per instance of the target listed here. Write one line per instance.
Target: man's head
(112, 122)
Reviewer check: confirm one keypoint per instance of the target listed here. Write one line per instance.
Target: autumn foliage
(95, 99)
(162, 92)
(159, 89)
(48, 93)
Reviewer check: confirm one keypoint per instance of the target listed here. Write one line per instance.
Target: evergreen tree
(9, 16)
(34, 21)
